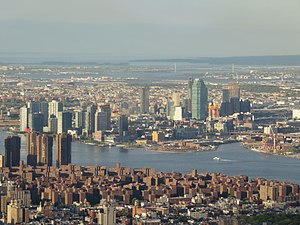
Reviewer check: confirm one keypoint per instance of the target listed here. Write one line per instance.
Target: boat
(216, 158)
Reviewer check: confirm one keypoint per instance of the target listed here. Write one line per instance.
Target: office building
(199, 100)
(123, 125)
(103, 118)
(144, 100)
(63, 149)
(12, 151)
(54, 107)
(64, 122)
(39, 149)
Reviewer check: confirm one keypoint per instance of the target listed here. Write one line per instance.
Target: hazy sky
(153, 28)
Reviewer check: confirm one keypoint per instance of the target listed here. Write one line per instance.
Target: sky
(150, 29)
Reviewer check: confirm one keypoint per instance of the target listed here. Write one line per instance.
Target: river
(235, 160)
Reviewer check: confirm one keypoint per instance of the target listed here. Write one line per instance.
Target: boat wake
(223, 160)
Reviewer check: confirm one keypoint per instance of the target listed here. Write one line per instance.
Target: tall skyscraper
(52, 124)
(79, 119)
(63, 149)
(39, 149)
(190, 85)
(176, 98)
(123, 125)
(36, 121)
(170, 109)
(231, 102)
(44, 109)
(89, 119)
(189, 98)
(54, 108)
(199, 100)
(34, 107)
(24, 111)
(225, 97)
(64, 122)
(234, 90)
(12, 151)
(144, 99)
(103, 118)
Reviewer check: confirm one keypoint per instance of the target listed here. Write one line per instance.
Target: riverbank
(254, 148)
(181, 150)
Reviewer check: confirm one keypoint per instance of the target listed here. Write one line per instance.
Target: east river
(235, 160)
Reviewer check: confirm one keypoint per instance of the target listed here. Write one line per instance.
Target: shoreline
(294, 156)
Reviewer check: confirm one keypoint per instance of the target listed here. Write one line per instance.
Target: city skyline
(149, 112)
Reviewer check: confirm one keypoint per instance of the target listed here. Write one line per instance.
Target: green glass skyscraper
(199, 100)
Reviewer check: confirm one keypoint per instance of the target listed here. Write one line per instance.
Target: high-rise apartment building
(79, 119)
(12, 151)
(176, 98)
(34, 107)
(54, 107)
(234, 90)
(39, 149)
(52, 124)
(89, 119)
(144, 100)
(2, 161)
(17, 213)
(64, 122)
(44, 109)
(63, 149)
(107, 215)
(24, 112)
(199, 100)
(231, 102)
(36, 122)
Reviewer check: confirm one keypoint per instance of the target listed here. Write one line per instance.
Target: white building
(296, 113)
(107, 215)
(54, 108)
(24, 111)
(178, 113)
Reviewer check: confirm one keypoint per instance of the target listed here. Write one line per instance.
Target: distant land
(78, 59)
(284, 60)
(61, 63)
